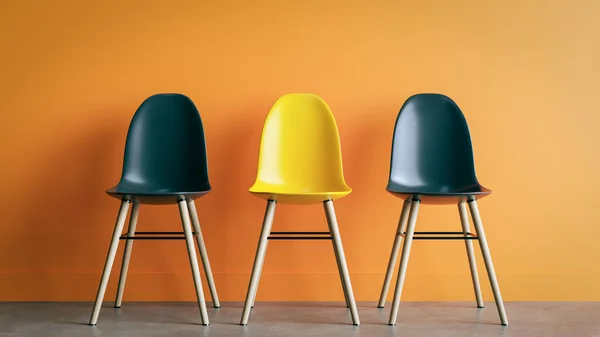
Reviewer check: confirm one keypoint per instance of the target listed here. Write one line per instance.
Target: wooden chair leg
(394, 253)
(110, 259)
(410, 232)
(487, 258)
(337, 246)
(189, 241)
(203, 254)
(258, 261)
(464, 220)
(127, 253)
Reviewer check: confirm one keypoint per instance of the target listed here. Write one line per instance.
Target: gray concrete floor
(431, 319)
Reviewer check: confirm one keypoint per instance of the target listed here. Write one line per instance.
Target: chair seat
(299, 198)
(445, 197)
(153, 197)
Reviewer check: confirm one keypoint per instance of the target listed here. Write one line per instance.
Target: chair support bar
(300, 236)
(155, 236)
(442, 236)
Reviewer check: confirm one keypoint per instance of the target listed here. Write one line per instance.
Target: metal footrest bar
(155, 236)
(300, 236)
(442, 236)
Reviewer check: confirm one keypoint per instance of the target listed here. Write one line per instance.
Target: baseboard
(297, 287)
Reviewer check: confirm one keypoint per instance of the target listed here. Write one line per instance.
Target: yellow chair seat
(300, 198)
(300, 160)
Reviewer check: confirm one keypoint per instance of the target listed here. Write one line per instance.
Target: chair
(432, 163)
(300, 162)
(164, 163)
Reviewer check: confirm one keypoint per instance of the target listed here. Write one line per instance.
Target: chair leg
(189, 240)
(203, 254)
(394, 254)
(464, 220)
(337, 246)
(339, 266)
(256, 292)
(410, 232)
(258, 260)
(487, 258)
(127, 253)
(110, 259)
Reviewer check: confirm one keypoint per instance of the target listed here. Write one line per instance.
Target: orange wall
(525, 73)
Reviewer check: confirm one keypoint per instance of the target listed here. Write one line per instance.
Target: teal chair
(164, 163)
(432, 163)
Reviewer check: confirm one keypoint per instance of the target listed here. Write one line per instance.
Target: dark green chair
(164, 163)
(432, 163)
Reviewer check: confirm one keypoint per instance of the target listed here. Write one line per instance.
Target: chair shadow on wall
(366, 165)
(231, 217)
(60, 228)
(67, 223)
(367, 152)
(231, 153)
(363, 143)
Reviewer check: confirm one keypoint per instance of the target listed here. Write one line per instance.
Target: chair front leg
(189, 241)
(337, 261)
(410, 232)
(256, 292)
(110, 259)
(464, 220)
(203, 254)
(343, 267)
(394, 253)
(127, 253)
(487, 258)
(258, 260)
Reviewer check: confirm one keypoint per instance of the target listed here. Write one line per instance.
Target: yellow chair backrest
(300, 151)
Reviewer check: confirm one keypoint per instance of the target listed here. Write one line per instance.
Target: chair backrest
(165, 149)
(432, 150)
(300, 147)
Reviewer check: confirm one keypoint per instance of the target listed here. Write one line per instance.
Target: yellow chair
(300, 162)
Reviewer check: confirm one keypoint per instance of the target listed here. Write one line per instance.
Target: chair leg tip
(480, 307)
(380, 307)
(243, 324)
(356, 324)
(217, 306)
(92, 324)
(504, 324)
(392, 324)
(117, 307)
(203, 324)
